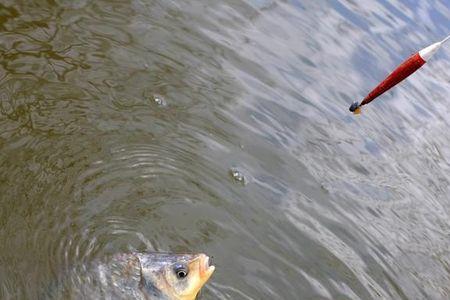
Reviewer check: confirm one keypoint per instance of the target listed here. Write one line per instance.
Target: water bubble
(159, 100)
(237, 176)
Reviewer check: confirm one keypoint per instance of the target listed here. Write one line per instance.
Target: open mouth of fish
(206, 268)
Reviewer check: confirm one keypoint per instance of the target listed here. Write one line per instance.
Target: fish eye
(181, 271)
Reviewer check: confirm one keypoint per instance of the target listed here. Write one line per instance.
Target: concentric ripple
(222, 127)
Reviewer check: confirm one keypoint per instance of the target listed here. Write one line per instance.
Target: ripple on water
(338, 207)
(137, 190)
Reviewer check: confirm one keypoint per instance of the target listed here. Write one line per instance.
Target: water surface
(122, 124)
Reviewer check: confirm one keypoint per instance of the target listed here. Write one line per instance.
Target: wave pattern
(121, 121)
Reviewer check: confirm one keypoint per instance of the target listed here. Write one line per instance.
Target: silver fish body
(141, 276)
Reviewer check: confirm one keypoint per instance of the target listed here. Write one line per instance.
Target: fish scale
(146, 276)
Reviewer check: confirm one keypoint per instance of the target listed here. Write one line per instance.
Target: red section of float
(408, 67)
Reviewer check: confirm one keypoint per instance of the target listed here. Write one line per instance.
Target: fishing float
(405, 69)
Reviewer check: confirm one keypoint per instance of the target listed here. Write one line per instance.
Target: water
(222, 127)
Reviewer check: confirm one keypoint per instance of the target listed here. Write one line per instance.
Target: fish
(404, 70)
(141, 276)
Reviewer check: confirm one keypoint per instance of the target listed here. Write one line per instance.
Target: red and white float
(404, 70)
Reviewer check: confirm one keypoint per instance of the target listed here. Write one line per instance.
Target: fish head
(176, 276)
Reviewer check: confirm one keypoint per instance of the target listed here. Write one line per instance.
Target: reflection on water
(129, 125)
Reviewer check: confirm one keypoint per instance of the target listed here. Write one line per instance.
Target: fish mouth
(206, 269)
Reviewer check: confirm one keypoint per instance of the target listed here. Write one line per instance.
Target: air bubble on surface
(159, 100)
(237, 176)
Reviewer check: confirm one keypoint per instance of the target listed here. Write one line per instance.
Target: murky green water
(122, 124)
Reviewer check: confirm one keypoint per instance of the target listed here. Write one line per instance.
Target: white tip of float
(429, 51)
